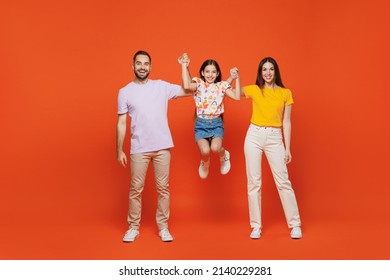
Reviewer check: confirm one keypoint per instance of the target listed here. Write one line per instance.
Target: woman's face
(210, 73)
(268, 72)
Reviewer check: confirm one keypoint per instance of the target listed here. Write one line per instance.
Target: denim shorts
(208, 128)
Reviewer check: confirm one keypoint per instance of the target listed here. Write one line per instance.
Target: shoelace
(225, 157)
(295, 231)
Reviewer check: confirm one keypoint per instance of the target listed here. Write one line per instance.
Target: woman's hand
(287, 157)
(234, 73)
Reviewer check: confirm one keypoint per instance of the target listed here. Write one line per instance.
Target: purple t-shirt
(147, 106)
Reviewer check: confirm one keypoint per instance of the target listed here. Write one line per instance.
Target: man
(146, 102)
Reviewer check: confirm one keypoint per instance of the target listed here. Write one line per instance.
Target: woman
(270, 123)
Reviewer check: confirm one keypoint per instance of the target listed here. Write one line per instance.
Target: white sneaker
(256, 233)
(165, 235)
(204, 169)
(225, 163)
(296, 233)
(131, 235)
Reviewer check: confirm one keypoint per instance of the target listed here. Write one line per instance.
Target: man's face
(141, 67)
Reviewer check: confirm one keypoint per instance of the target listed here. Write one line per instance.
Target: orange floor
(225, 241)
(214, 237)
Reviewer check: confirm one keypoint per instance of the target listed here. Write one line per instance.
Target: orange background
(64, 196)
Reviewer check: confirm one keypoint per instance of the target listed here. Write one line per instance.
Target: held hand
(287, 157)
(180, 59)
(122, 159)
(184, 60)
(234, 72)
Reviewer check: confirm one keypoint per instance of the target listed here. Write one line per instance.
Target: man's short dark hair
(141, 52)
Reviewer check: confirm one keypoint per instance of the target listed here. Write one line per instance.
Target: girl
(271, 105)
(209, 92)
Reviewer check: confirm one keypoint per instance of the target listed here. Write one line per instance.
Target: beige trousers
(139, 165)
(270, 141)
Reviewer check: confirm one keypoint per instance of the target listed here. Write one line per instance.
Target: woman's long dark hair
(260, 81)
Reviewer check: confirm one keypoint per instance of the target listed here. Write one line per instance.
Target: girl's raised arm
(188, 84)
(234, 93)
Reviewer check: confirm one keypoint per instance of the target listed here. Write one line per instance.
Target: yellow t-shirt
(268, 104)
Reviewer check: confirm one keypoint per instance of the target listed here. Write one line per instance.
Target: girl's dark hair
(211, 62)
(141, 52)
(260, 81)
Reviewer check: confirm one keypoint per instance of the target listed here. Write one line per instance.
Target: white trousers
(270, 141)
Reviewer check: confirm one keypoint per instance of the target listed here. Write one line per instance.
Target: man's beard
(141, 78)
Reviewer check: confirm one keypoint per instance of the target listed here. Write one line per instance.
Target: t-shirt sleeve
(289, 99)
(198, 82)
(171, 90)
(251, 90)
(225, 85)
(122, 103)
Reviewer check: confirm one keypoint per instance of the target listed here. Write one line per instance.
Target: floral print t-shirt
(209, 98)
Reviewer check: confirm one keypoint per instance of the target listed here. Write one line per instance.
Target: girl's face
(268, 72)
(210, 73)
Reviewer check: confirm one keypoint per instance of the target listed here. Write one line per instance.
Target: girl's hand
(184, 60)
(180, 59)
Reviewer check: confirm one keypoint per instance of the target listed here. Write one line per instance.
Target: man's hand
(121, 158)
(184, 60)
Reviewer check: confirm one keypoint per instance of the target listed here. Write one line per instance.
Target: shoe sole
(167, 240)
(129, 241)
(255, 236)
(296, 236)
